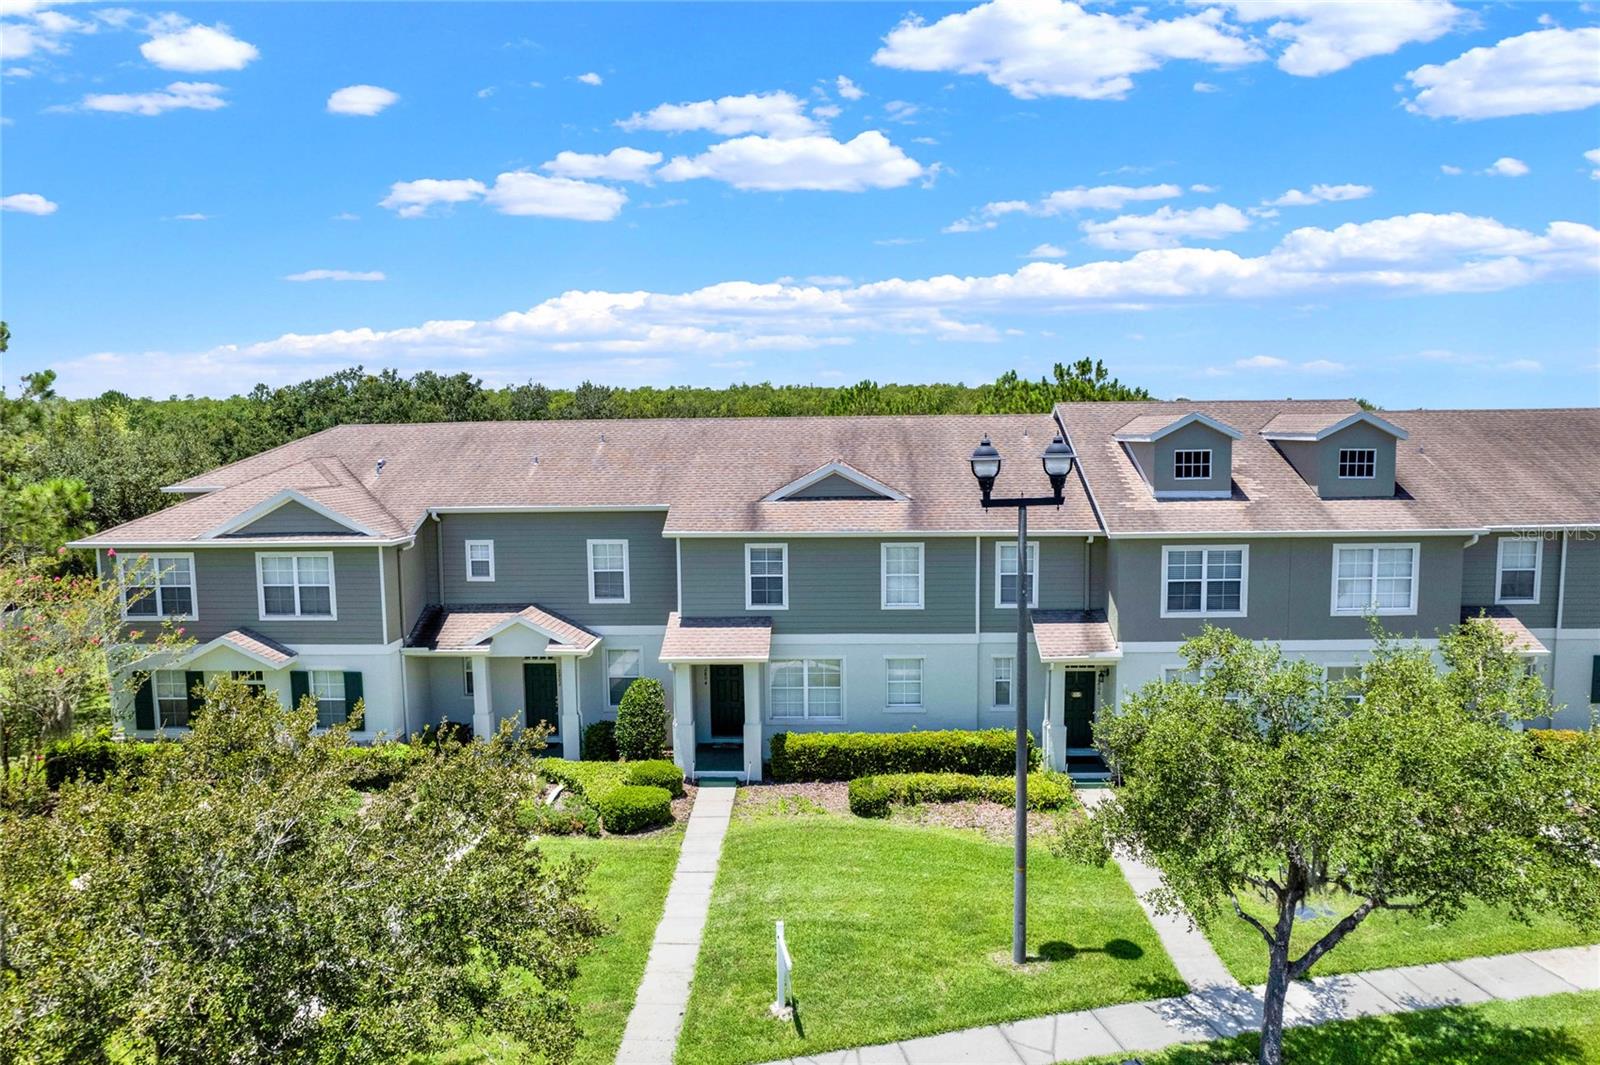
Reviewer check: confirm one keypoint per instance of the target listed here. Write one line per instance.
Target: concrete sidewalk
(657, 1017)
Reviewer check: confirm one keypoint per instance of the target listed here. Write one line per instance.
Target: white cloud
(1034, 48)
(521, 192)
(34, 29)
(1446, 168)
(1206, 87)
(1525, 365)
(1506, 166)
(1046, 251)
(192, 216)
(827, 112)
(778, 114)
(900, 111)
(1166, 227)
(1325, 37)
(1323, 366)
(848, 89)
(28, 203)
(1532, 74)
(412, 199)
(180, 95)
(869, 161)
(337, 275)
(360, 100)
(827, 280)
(15, 72)
(1322, 194)
(591, 78)
(619, 164)
(1261, 362)
(346, 216)
(196, 49)
(1204, 190)
(1063, 201)
(1593, 155)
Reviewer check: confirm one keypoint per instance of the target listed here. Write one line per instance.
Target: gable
(292, 518)
(836, 480)
(836, 486)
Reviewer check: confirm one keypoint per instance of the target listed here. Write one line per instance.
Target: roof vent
(377, 471)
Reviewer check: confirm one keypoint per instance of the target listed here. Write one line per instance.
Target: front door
(727, 700)
(539, 695)
(1079, 705)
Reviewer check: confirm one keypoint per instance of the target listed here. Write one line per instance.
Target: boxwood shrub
(634, 808)
(872, 796)
(600, 742)
(93, 758)
(798, 756)
(656, 772)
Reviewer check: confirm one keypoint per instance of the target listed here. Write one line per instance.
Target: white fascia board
(283, 498)
(1282, 534)
(880, 534)
(223, 642)
(288, 543)
(1343, 423)
(1188, 419)
(843, 469)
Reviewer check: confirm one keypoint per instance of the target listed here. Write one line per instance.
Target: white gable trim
(267, 506)
(223, 642)
(558, 640)
(1343, 423)
(848, 472)
(1188, 419)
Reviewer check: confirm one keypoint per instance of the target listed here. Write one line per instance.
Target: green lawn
(629, 886)
(1388, 939)
(1559, 1030)
(900, 930)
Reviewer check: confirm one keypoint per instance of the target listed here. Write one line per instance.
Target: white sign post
(781, 1008)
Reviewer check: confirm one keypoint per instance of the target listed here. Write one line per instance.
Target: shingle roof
(1314, 423)
(1073, 634)
(1509, 625)
(742, 639)
(252, 643)
(461, 628)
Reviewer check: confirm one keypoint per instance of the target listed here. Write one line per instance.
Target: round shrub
(657, 773)
(634, 808)
(642, 720)
(600, 742)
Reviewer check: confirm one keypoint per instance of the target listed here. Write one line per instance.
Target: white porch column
(482, 715)
(752, 722)
(683, 717)
(1055, 721)
(570, 729)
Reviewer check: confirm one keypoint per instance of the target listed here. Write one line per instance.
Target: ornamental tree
(1406, 792)
(642, 720)
(231, 899)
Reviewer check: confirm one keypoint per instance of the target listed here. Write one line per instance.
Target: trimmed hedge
(872, 796)
(92, 758)
(1557, 742)
(375, 768)
(600, 742)
(634, 808)
(656, 773)
(798, 756)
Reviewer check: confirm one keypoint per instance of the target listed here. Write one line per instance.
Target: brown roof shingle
(742, 639)
(1509, 625)
(1073, 634)
(461, 628)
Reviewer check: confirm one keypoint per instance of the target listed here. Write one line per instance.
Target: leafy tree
(39, 518)
(1262, 780)
(61, 639)
(232, 900)
(642, 720)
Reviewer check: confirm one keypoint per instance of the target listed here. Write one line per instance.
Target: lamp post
(1057, 460)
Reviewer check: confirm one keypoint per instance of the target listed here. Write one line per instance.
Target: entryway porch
(1079, 653)
(716, 694)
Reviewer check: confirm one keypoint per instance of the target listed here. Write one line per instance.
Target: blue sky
(1393, 200)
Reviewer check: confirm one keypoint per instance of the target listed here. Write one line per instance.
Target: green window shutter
(194, 681)
(144, 705)
(1594, 682)
(299, 687)
(353, 695)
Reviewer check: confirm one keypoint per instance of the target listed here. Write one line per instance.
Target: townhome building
(793, 574)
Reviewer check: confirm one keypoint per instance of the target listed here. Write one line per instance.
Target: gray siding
(1061, 579)
(834, 486)
(1583, 581)
(1479, 580)
(1195, 436)
(292, 518)
(417, 570)
(543, 558)
(834, 584)
(428, 550)
(1361, 435)
(1290, 591)
(391, 594)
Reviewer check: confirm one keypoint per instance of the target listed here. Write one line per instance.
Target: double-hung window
(608, 571)
(172, 697)
(1005, 671)
(467, 682)
(480, 560)
(158, 586)
(327, 688)
(1358, 463)
(622, 669)
(1202, 581)
(296, 586)
(1191, 465)
(254, 679)
(1005, 574)
(1517, 571)
(902, 576)
(1375, 578)
(904, 683)
(807, 689)
(766, 576)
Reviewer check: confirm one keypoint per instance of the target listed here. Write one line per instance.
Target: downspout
(438, 544)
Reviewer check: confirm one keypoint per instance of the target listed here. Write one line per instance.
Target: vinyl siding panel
(1583, 581)
(1061, 579)
(412, 568)
(1480, 580)
(292, 518)
(1192, 437)
(391, 594)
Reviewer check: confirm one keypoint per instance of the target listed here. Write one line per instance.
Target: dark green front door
(1079, 701)
(727, 700)
(539, 695)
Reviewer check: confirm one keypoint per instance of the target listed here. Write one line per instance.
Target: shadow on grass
(799, 1025)
(1120, 949)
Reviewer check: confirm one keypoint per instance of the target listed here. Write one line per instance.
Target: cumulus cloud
(1322, 194)
(1506, 166)
(777, 114)
(1167, 227)
(1261, 362)
(1325, 37)
(337, 275)
(360, 100)
(1532, 74)
(869, 161)
(521, 192)
(413, 199)
(1064, 201)
(619, 164)
(179, 96)
(197, 49)
(1046, 251)
(591, 78)
(1446, 168)
(28, 203)
(33, 29)
(848, 89)
(1593, 155)
(192, 216)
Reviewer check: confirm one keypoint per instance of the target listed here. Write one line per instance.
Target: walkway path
(657, 1016)
(1218, 1012)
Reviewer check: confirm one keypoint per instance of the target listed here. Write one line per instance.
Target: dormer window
(1358, 463)
(1191, 465)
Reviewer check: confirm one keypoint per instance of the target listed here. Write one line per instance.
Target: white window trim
(748, 605)
(1210, 460)
(883, 577)
(605, 667)
(1338, 463)
(155, 566)
(1328, 667)
(261, 588)
(1244, 581)
(468, 546)
(1499, 569)
(804, 660)
(627, 584)
(344, 696)
(466, 678)
(920, 707)
(1012, 705)
(1033, 575)
(1333, 584)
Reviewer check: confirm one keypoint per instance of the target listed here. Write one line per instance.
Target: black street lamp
(1057, 460)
